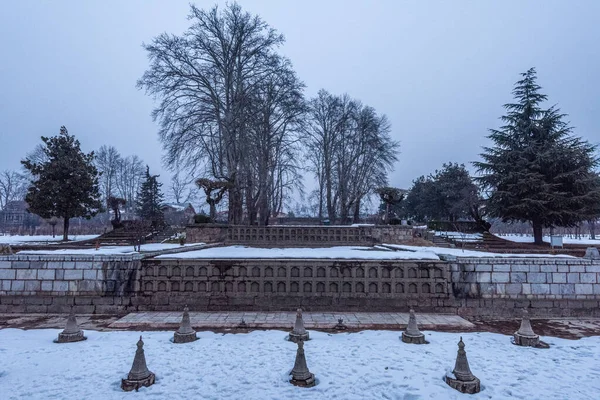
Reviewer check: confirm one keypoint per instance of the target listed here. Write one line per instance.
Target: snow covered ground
(343, 252)
(112, 250)
(348, 366)
(461, 237)
(18, 239)
(469, 253)
(585, 239)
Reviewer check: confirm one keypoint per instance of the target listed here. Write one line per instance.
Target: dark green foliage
(391, 198)
(537, 171)
(115, 203)
(65, 181)
(202, 219)
(449, 194)
(150, 199)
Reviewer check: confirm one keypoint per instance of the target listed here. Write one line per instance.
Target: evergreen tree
(537, 171)
(150, 199)
(65, 181)
(448, 194)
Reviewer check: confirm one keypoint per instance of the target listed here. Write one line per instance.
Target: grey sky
(440, 70)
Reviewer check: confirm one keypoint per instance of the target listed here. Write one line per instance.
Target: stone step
(285, 320)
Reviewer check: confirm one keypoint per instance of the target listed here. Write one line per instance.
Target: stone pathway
(285, 320)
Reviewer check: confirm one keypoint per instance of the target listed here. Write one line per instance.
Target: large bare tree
(350, 152)
(204, 81)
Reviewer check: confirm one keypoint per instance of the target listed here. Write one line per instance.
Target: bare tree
(204, 80)
(350, 152)
(272, 168)
(182, 189)
(107, 162)
(128, 178)
(13, 186)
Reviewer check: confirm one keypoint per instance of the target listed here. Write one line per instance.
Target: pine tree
(65, 182)
(537, 171)
(150, 199)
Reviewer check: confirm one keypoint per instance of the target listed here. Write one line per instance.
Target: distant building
(15, 218)
(178, 214)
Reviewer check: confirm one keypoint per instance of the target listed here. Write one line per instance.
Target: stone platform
(285, 320)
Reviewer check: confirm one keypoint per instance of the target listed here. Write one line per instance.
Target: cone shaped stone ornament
(463, 381)
(412, 333)
(301, 376)
(525, 335)
(139, 375)
(185, 333)
(71, 333)
(298, 333)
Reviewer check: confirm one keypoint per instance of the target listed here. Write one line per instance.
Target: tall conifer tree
(150, 199)
(65, 181)
(536, 170)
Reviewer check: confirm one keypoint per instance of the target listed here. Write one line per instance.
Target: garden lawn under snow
(470, 253)
(112, 250)
(338, 252)
(18, 239)
(585, 239)
(363, 365)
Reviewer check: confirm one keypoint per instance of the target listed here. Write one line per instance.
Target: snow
(18, 239)
(112, 250)
(255, 365)
(469, 253)
(460, 236)
(585, 239)
(337, 252)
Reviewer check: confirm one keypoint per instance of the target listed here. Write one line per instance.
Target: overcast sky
(440, 70)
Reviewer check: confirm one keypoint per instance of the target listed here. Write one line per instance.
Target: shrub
(202, 219)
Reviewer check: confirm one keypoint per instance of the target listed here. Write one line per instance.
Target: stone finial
(464, 381)
(412, 333)
(340, 326)
(298, 333)
(525, 335)
(185, 333)
(139, 375)
(592, 253)
(301, 376)
(71, 333)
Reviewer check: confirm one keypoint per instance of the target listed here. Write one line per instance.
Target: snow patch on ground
(460, 236)
(112, 250)
(469, 253)
(337, 252)
(255, 365)
(585, 239)
(43, 239)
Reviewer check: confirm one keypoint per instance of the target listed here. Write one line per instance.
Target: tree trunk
(356, 218)
(66, 229)
(592, 229)
(538, 237)
(213, 210)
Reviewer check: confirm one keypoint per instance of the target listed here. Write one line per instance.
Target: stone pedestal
(185, 333)
(412, 333)
(301, 376)
(340, 326)
(525, 335)
(298, 333)
(71, 333)
(463, 380)
(139, 375)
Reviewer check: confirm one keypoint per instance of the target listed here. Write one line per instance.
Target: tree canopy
(65, 181)
(537, 170)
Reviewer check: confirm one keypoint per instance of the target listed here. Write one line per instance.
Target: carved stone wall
(299, 236)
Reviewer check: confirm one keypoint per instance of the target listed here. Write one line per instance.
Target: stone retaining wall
(299, 236)
(467, 286)
(40, 283)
